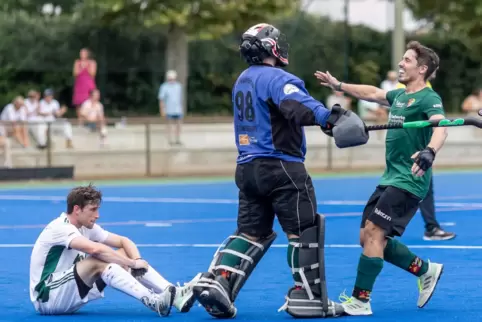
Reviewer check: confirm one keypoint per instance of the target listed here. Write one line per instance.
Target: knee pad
(309, 297)
(217, 291)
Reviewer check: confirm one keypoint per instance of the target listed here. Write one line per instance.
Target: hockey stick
(468, 121)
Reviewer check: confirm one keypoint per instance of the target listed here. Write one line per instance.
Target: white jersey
(51, 254)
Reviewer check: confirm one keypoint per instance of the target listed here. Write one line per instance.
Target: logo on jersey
(243, 139)
(410, 102)
(395, 119)
(290, 88)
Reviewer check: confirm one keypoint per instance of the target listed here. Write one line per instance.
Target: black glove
(425, 158)
(336, 112)
(138, 272)
(345, 127)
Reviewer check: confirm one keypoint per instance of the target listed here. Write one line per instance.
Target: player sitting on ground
(410, 154)
(271, 108)
(72, 262)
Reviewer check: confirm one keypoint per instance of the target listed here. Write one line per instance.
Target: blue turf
(395, 293)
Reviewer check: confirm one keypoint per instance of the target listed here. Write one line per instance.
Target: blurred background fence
(139, 148)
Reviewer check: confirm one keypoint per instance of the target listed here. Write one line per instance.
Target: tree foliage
(200, 18)
(455, 18)
(40, 6)
(38, 51)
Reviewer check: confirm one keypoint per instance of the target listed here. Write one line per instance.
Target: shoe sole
(434, 287)
(208, 303)
(359, 313)
(439, 238)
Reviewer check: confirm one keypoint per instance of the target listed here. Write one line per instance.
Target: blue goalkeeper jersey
(271, 107)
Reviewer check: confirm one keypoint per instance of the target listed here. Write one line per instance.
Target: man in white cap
(171, 105)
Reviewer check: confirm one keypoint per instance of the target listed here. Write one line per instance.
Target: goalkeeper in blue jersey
(271, 108)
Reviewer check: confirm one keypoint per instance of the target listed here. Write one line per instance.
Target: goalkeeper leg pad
(218, 288)
(309, 298)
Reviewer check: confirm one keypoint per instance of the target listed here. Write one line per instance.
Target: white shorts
(64, 295)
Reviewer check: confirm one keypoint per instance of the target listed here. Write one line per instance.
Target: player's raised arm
(364, 92)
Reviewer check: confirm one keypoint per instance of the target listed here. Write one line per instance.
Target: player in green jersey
(406, 179)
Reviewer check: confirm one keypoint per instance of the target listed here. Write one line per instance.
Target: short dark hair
(425, 56)
(83, 196)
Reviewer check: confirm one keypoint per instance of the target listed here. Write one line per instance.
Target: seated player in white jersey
(73, 261)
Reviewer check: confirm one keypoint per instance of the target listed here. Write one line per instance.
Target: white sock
(154, 281)
(118, 278)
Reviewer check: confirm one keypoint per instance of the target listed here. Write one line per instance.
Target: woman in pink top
(85, 70)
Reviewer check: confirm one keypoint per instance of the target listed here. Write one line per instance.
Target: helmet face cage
(262, 41)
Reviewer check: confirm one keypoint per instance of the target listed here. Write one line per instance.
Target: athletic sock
(154, 281)
(368, 270)
(238, 245)
(118, 278)
(399, 255)
(292, 257)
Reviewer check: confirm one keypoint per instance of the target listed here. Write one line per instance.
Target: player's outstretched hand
(140, 267)
(423, 160)
(326, 79)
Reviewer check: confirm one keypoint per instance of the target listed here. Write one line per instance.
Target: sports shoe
(438, 234)
(354, 306)
(161, 303)
(184, 299)
(427, 283)
(164, 300)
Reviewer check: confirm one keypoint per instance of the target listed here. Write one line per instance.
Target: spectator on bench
(92, 114)
(32, 104)
(50, 111)
(14, 115)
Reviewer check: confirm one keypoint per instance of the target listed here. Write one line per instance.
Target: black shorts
(391, 208)
(272, 186)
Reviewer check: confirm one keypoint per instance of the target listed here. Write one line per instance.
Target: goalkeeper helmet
(262, 41)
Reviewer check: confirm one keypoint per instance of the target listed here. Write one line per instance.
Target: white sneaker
(184, 298)
(354, 306)
(427, 283)
(161, 303)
